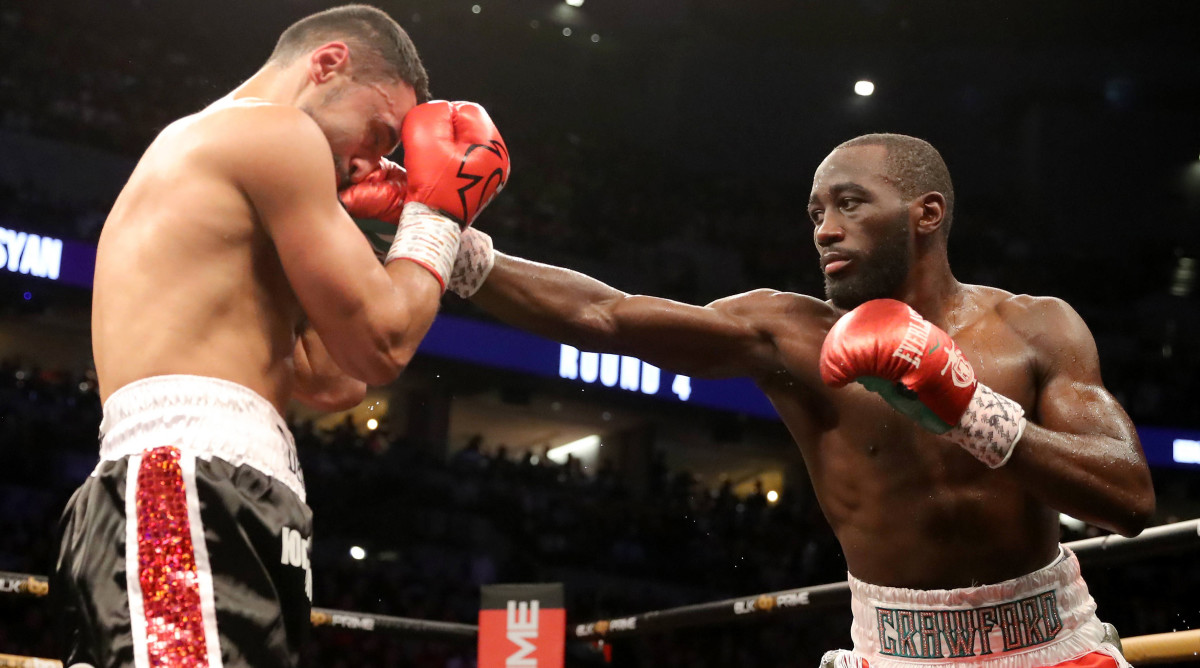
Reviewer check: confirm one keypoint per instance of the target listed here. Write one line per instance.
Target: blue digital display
(1176, 448)
(503, 347)
(46, 257)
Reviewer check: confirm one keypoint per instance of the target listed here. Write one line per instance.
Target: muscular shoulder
(1050, 326)
(267, 150)
(1038, 318)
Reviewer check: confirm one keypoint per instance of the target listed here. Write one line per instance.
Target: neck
(931, 288)
(272, 83)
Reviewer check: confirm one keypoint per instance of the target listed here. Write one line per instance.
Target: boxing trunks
(1046, 618)
(189, 544)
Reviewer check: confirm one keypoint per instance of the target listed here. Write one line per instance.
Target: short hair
(365, 29)
(914, 165)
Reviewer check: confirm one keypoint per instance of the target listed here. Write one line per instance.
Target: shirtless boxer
(945, 503)
(229, 280)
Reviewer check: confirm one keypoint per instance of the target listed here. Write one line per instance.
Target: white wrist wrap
(473, 264)
(428, 238)
(990, 428)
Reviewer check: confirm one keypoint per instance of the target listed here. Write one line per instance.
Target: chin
(848, 296)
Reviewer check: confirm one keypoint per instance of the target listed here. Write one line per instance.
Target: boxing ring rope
(39, 586)
(1139, 650)
(1156, 540)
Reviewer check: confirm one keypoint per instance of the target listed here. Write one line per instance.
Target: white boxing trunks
(1045, 618)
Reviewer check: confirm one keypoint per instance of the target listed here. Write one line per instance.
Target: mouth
(833, 262)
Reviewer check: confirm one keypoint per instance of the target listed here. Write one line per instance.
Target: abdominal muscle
(187, 282)
(913, 510)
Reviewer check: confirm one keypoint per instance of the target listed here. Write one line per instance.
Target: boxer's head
(879, 204)
(361, 75)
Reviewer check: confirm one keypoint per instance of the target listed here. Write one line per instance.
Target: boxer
(229, 280)
(944, 425)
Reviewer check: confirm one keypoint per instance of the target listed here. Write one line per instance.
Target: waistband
(203, 416)
(1038, 619)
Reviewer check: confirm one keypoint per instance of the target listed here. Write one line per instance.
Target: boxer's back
(187, 281)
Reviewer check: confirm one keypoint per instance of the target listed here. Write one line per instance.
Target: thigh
(219, 557)
(259, 536)
(88, 588)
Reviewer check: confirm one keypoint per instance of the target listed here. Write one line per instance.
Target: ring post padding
(1162, 648)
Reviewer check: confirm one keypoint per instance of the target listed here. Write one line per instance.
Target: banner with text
(522, 626)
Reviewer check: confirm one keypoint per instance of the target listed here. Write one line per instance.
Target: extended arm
(320, 382)
(730, 337)
(1080, 452)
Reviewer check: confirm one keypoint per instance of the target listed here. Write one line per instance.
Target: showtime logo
(628, 373)
(23, 253)
(522, 631)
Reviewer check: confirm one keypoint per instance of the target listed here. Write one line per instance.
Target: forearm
(553, 302)
(1102, 480)
(725, 338)
(320, 383)
(416, 297)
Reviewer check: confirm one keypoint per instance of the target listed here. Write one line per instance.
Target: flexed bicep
(1080, 451)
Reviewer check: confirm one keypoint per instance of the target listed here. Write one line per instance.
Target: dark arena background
(666, 147)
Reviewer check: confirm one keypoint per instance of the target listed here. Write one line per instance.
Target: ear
(327, 61)
(930, 212)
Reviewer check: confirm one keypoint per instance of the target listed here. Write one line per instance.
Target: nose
(360, 167)
(828, 232)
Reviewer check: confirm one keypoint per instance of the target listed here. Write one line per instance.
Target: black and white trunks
(189, 544)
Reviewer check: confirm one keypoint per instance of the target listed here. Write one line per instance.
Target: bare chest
(852, 421)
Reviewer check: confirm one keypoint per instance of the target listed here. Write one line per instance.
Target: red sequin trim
(167, 564)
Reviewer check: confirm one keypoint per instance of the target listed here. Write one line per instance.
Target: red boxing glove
(887, 347)
(380, 195)
(455, 157)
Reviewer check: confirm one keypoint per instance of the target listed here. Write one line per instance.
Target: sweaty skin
(227, 254)
(910, 509)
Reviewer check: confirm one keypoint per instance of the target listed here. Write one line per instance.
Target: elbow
(1138, 514)
(392, 358)
(379, 364)
(1137, 510)
(386, 366)
(390, 348)
(350, 394)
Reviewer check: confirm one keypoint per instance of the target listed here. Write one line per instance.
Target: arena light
(1185, 451)
(566, 32)
(357, 553)
(372, 424)
(574, 3)
(772, 496)
(584, 448)
(475, 9)
(1183, 279)
(864, 87)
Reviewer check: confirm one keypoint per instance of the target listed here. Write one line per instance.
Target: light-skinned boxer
(230, 280)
